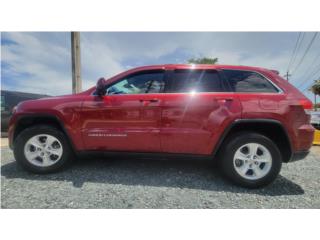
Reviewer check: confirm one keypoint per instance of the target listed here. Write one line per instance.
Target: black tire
(233, 143)
(19, 144)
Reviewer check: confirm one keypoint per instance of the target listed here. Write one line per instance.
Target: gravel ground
(151, 183)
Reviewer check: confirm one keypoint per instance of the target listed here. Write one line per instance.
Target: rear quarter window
(248, 81)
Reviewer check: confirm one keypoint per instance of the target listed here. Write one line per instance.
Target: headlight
(14, 109)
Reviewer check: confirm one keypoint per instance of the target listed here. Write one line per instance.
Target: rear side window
(247, 81)
(195, 81)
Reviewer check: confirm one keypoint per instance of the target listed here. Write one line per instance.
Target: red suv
(249, 119)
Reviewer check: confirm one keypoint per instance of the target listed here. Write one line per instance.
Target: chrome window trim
(279, 90)
(195, 93)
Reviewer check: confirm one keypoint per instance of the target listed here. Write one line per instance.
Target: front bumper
(11, 129)
(10, 137)
(296, 156)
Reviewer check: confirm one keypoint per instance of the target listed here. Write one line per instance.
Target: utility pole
(76, 63)
(287, 76)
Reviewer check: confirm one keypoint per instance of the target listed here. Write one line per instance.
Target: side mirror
(101, 87)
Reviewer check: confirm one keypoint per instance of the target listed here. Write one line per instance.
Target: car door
(128, 117)
(195, 111)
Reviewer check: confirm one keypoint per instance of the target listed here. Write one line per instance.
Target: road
(154, 183)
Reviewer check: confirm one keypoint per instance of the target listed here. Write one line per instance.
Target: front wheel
(250, 160)
(42, 149)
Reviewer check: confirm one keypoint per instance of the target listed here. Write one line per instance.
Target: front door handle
(224, 99)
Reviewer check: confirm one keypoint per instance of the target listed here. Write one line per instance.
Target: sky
(40, 62)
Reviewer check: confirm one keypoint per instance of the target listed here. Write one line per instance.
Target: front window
(139, 83)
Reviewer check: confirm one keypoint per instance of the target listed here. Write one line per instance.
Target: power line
(307, 88)
(293, 55)
(311, 76)
(309, 85)
(317, 70)
(310, 71)
(298, 48)
(306, 52)
(311, 65)
(315, 74)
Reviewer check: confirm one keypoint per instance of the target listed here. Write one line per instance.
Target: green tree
(204, 60)
(315, 89)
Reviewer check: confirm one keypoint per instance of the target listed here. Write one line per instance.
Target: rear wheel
(42, 149)
(250, 159)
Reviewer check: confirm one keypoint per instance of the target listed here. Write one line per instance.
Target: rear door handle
(149, 100)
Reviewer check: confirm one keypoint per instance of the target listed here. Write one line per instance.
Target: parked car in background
(249, 119)
(315, 118)
(9, 99)
(315, 121)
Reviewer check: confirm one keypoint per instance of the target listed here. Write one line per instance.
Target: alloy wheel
(43, 150)
(252, 161)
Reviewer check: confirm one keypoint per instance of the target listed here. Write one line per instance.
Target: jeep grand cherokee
(248, 119)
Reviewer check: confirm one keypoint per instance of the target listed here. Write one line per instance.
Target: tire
(52, 147)
(237, 156)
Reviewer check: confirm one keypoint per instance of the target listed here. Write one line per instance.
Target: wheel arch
(270, 128)
(29, 120)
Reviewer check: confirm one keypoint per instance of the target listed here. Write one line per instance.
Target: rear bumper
(304, 138)
(296, 156)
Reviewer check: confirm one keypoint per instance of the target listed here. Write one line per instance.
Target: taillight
(306, 104)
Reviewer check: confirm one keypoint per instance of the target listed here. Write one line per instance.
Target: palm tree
(315, 89)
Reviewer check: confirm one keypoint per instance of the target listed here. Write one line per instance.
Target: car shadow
(191, 174)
